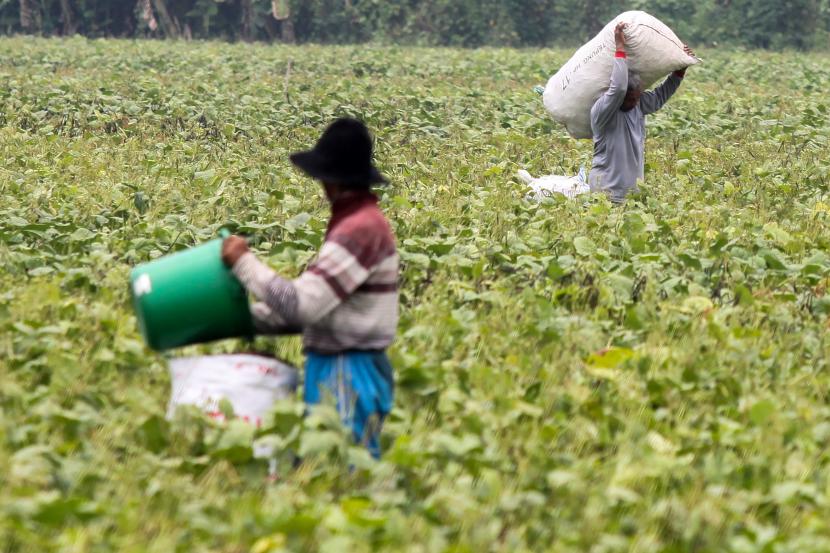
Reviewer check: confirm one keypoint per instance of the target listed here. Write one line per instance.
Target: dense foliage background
(754, 23)
(571, 377)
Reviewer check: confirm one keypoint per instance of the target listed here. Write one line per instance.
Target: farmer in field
(618, 123)
(346, 301)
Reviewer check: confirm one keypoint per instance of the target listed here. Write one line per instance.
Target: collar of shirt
(348, 203)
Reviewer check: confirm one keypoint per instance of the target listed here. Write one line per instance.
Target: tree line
(801, 24)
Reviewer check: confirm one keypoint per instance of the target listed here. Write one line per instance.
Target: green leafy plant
(571, 376)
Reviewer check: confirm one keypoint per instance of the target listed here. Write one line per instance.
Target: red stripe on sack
(620, 54)
(378, 288)
(330, 280)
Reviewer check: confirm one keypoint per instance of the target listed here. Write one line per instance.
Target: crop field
(571, 376)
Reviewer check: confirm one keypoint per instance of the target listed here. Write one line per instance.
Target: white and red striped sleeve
(348, 257)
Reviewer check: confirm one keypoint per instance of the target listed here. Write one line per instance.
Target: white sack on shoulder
(251, 383)
(652, 49)
(547, 186)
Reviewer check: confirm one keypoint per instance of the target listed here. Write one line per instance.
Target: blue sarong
(362, 385)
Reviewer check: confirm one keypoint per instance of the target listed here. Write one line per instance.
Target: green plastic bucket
(189, 297)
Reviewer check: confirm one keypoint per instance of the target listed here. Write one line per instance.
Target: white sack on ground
(251, 383)
(653, 51)
(547, 186)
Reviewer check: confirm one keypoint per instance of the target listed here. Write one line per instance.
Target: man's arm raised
(655, 99)
(609, 103)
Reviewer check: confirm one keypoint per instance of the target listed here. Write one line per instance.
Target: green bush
(774, 24)
(569, 376)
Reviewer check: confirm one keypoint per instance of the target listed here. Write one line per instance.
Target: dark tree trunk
(288, 31)
(247, 20)
(66, 16)
(282, 13)
(168, 24)
(29, 15)
(271, 28)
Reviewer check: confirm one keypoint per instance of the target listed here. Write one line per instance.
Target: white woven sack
(251, 383)
(653, 51)
(549, 185)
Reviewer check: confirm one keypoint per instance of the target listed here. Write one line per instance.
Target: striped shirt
(347, 299)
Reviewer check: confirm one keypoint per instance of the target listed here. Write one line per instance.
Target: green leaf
(81, 235)
(320, 442)
(584, 246)
(610, 358)
(205, 175)
(761, 411)
(697, 305)
(41, 271)
(235, 442)
(153, 432)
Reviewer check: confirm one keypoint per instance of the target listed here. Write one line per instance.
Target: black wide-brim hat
(343, 154)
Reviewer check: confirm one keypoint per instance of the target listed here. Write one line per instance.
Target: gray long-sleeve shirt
(619, 136)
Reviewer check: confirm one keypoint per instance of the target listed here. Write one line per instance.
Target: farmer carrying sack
(653, 51)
